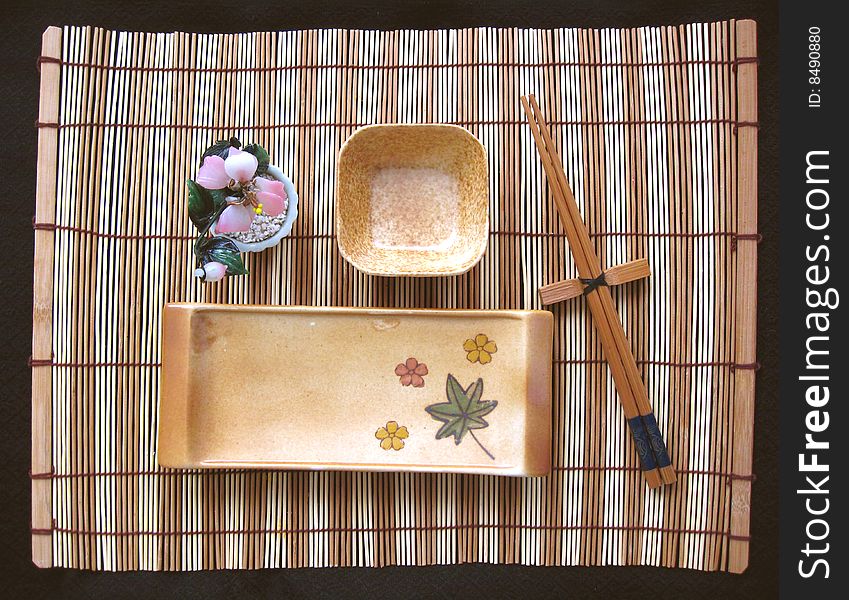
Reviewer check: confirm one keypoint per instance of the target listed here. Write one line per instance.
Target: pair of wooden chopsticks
(654, 457)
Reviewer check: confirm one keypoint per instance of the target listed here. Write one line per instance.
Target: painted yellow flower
(391, 436)
(480, 349)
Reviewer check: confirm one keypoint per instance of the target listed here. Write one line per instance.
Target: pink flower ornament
(240, 166)
(272, 195)
(411, 372)
(236, 217)
(216, 173)
(212, 175)
(212, 271)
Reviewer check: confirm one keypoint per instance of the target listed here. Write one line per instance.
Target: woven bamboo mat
(658, 130)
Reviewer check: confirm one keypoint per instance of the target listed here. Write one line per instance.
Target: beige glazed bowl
(411, 200)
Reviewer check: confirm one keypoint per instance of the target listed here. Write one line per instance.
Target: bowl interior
(412, 200)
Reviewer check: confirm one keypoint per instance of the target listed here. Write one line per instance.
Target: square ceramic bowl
(411, 200)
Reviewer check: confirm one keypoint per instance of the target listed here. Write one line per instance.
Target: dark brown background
(21, 30)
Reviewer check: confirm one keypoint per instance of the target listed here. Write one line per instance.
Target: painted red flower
(411, 372)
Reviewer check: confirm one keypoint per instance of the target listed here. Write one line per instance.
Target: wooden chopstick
(644, 408)
(589, 268)
(635, 403)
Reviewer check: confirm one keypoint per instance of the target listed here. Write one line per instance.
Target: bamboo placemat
(658, 128)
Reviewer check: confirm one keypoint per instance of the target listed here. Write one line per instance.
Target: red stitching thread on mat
(531, 234)
(43, 531)
(755, 237)
(579, 361)
(90, 365)
(734, 477)
(729, 477)
(562, 361)
(755, 366)
(173, 473)
(311, 236)
(401, 528)
(157, 236)
(739, 124)
(639, 234)
(35, 531)
(39, 362)
(636, 469)
(744, 60)
(117, 236)
(655, 234)
(198, 127)
(45, 226)
(47, 531)
(661, 363)
(141, 69)
(215, 472)
(50, 475)
(48, 60)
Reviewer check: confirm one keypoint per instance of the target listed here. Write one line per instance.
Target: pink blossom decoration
(411, 372)
(272, 195)
(212, 175)
(240, 166)
(235, 217)
(214, 271)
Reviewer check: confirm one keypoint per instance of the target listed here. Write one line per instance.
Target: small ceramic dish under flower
(239, 203)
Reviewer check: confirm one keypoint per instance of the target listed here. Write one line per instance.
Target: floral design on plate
(480, 349)
(411, 372)
(391, 436)
(463, 413)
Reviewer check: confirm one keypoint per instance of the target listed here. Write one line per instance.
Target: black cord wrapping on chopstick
(592, 283)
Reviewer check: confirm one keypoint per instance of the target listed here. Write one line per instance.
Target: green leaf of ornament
(221, 148)
(219, 197)
(201, 205)
(261, 157)
(225, 251)
(463, 412)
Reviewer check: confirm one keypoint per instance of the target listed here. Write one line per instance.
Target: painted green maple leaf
(463, 413)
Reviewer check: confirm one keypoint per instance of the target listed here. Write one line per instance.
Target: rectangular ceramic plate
(466, 391)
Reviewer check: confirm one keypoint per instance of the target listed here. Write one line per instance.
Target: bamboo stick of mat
(745, 47)
(42, 302)
(654, 458)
